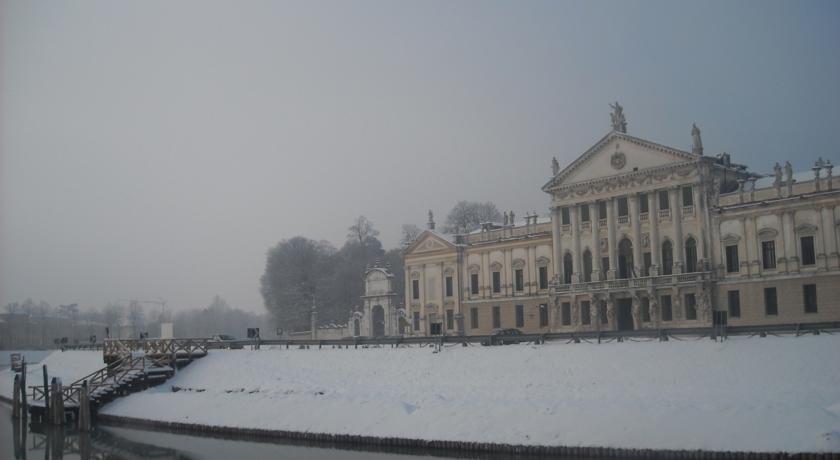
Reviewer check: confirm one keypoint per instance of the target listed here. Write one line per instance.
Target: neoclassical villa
(641, 235)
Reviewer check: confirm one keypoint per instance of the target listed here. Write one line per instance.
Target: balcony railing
(643, 217)
(664, 213)
(632, 283)
(624, 220)
(602, 222)
(688, 210)
(565, 228)
(586, 225)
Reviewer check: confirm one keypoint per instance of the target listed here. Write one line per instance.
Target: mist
(159, 149)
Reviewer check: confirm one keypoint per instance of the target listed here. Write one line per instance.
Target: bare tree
(467, 216)
(136, 317)
(361, 230)
(410, 232)
(113, 315)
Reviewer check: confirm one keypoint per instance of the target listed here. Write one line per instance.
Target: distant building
(641, 236)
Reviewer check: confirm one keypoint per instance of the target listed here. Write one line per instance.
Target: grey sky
(158, 149)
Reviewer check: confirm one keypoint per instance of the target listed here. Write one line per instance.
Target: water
(127, 443)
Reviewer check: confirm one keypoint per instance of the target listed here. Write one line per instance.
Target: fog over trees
(467, 216)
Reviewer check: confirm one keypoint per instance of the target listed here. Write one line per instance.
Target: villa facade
(640, 236)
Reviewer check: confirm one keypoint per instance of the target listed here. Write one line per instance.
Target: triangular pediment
(618, 153)
(429, 241)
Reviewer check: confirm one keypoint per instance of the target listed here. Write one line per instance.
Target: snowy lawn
(746, 394)
(69, 365)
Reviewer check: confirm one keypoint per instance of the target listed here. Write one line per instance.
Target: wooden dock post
(23, 402)
(16, 398)
(84, 408)
(57, 417)
(46, 391)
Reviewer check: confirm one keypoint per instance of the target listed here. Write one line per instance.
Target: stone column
(611, 243)
(785, 249)
(747, 244)
(700, 214)
(530, 272)
(555, 241)
(676, 219)
(829, 239)
(636, 233)
(752, 226)
(508, 272)
(424, 315)
(577, 268)
(443, 289)
(595, 250)
(788, 219)
(407, 289)
(485, 275)
(653, 221)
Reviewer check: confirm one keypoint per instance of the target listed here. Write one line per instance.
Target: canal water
(126, 443)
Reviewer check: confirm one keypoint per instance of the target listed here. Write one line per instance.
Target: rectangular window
(734, 298)
(643, 203)
(520, 316)
(768, 254)
(605, 266)
(648, 262)
(807, 245)
(416, 322)
(809, 296)
(497, 317)
(448, 286)
(687, 196)
(771, 306)
(732, 265)
(584, 213)
(415, 289)
(602, 209)
(543, 315)
(602, 313)
(565, 217)
(667, 311)
(623, 209)
(520, 280)
(645, 310)
(663, 200)
(584, 312)
(690, 306)
(450, 319)
(474, 283)
(474, 317)
(497, 282)
(543, 277)
(566, 313)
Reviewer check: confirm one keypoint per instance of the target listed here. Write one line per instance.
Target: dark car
(503, 337)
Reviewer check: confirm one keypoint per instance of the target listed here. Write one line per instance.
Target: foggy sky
(158, 149)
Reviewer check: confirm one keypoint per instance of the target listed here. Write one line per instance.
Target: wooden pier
(131, 366)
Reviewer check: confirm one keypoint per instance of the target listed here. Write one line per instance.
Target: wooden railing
(114, 348)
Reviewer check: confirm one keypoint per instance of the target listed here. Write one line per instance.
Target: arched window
(690, 255)
(667, 258)
(567, 268)
(587, 266)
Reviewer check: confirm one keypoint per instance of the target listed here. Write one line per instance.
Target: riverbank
(760, 394)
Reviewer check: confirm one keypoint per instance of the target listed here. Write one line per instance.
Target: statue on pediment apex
(555, 166)
(619, 123)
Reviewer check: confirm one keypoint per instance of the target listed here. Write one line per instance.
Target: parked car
(226, 341)
(503, 337)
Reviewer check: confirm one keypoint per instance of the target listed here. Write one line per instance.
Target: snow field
(760, 394)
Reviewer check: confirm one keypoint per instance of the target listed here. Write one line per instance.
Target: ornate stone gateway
(379, 315)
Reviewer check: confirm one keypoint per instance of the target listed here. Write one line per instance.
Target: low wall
(456, 448)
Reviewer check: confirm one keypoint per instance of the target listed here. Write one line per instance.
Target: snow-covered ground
(69, 365)
(759, 394)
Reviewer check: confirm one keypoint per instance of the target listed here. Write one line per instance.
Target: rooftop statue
(555, 166)
(696, 142)
(619, 123)
(777, 173)
(788, 172)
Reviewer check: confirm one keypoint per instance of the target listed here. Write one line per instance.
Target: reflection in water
(35, 441)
